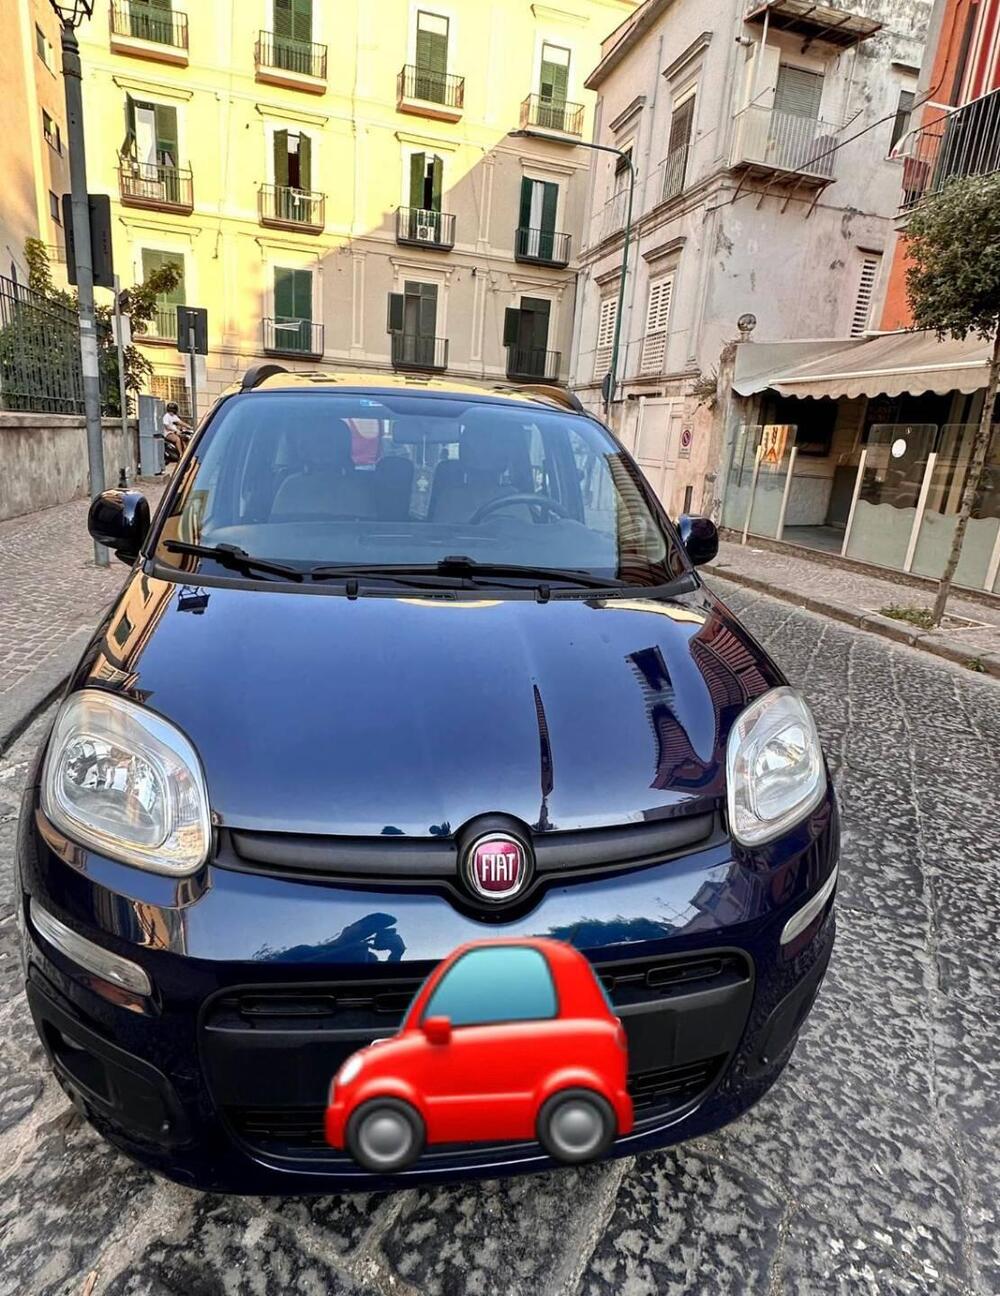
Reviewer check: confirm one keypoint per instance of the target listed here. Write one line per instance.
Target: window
(901, 124)
(605, 336)
(537, 219)
(798, 92)
(413, 322)
(866, 287)
(426, 173)
(675, 166)
(553, 80)
(526, 330)
(50, 129)
(495, 985)
(171, 387)
(654, 342)
(293, 309)
(292, 21)
(431, 57)
(164, 321)
(43, 47)
(292, 160)
(54, 210)
(150, 133)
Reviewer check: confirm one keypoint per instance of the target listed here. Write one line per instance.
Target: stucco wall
(43, 459)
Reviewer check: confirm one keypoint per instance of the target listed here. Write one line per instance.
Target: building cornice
(549, 13)
(292, 114)
(427, 141)
(682, 60)
(662, 250)
(634, 107)
(161, 89)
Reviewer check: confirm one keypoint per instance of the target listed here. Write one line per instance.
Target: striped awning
(893, 364)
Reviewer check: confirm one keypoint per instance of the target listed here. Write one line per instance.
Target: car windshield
(339, 480)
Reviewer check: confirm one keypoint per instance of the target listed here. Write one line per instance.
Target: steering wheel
(542, 503)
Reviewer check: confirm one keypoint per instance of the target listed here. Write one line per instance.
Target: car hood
(314, 713)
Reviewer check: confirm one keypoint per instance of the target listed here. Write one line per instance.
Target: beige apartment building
(33, 158)
(338, 180)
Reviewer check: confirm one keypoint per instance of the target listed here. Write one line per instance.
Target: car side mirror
(120, 520)
(437, 1029)
(700, 538)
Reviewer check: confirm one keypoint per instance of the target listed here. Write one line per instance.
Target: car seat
(493, 461)
(327, 485)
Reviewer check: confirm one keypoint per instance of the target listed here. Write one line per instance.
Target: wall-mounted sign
(687, 436)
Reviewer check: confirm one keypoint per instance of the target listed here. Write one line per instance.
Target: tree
(953, 283)
(138, 302)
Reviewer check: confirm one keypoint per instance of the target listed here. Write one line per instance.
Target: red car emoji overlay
(506, 1040)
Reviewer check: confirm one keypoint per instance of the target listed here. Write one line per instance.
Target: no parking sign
(687, 436)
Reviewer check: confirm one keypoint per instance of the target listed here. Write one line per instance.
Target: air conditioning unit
(426, 233)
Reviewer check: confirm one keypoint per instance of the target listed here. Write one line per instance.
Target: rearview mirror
(120, 520)
(437, 1029)
(700, 538)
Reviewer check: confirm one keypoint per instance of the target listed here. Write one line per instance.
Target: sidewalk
(856, 597)
(52, 595)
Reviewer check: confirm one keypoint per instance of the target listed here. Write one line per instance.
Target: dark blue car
(400, 665)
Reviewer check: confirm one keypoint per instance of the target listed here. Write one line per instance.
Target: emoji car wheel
(385, 1135)
(576, 1125)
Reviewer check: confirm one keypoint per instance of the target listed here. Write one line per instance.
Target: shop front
(864, 452)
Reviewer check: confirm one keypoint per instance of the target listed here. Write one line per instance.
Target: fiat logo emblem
(497, 866)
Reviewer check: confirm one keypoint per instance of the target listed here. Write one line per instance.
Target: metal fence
(40, 370)
(785, 141)
(962, 143)
(283, 54)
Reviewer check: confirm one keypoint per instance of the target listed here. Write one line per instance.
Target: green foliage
(918, 616)
(953, 246)
(29, 345)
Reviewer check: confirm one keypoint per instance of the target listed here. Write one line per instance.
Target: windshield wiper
(233, 556)
(461, 566)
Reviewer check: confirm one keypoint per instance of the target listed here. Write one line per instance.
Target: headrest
(325, 445)
(491, 442)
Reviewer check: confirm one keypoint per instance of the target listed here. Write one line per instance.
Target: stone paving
(871, 1168)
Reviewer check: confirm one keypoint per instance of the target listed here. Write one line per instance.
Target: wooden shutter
(535, 320)
(437, 173)
(394, 314)
(166, 135)
(302, 294)
(418, 169)
(281, 157)
(284, 294)
(511, 326)
(527, 189)
(554, 77)
(302, 20)
(305, 162)
(283, 19)
(654, 342)
(680, 126)
(863, 302)
(798, 92)
(605, 336)
(432, 43)
(427, 316)
(550, 200)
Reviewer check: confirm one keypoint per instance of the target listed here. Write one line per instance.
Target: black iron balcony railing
(962, 143)
(152, 184)
(428, 86)
(552, 114)
(549, 247)
(415, 351)
(285, 335)
(422, 228)
(150, 23)
(282, 54)
(283, 206)
(533, 364)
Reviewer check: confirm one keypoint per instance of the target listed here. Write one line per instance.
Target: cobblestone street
(871, 1168)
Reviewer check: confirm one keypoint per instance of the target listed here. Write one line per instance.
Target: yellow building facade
(338, 179)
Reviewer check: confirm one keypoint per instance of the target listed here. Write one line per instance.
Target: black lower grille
(669, 1088)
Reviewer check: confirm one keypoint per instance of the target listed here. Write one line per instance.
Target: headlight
(774, 767)
(349, 1070)
(123, 781)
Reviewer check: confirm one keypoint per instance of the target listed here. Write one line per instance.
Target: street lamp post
(612, 377)
(71, 14)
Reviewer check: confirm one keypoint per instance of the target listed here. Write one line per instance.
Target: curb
(961, 654)
(20, 705)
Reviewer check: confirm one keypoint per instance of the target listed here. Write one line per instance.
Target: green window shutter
(394, 320)
(511, 326)
(153, 260)
(554, 78)
(128, 144)
(302, 294)
(281, 157)
(527, 189)
(284, 294)
(550, 198)
(437, 172)
(432, 43)
(427, 318)
(302, 20)
(166, 134)
(418, 167)
(305, 162)
(535, 322)
(283, 18)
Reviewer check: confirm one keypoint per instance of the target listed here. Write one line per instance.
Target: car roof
(273, 377)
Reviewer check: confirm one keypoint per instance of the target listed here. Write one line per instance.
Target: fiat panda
(401, 664)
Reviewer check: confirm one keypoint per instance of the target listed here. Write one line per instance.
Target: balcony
(413, 351)
(162, 326)
(552, 116)
(612, 219)
(155, 186)
(427, 229)
(782, 146)
(962, 143)
(297, 65)
(533, 364)
(286, 336)
(148, 31)
(430, 94)
(541, 247)
(674, 173)
(280, 207)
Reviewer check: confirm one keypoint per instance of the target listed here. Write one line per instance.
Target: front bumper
(220, 1080)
